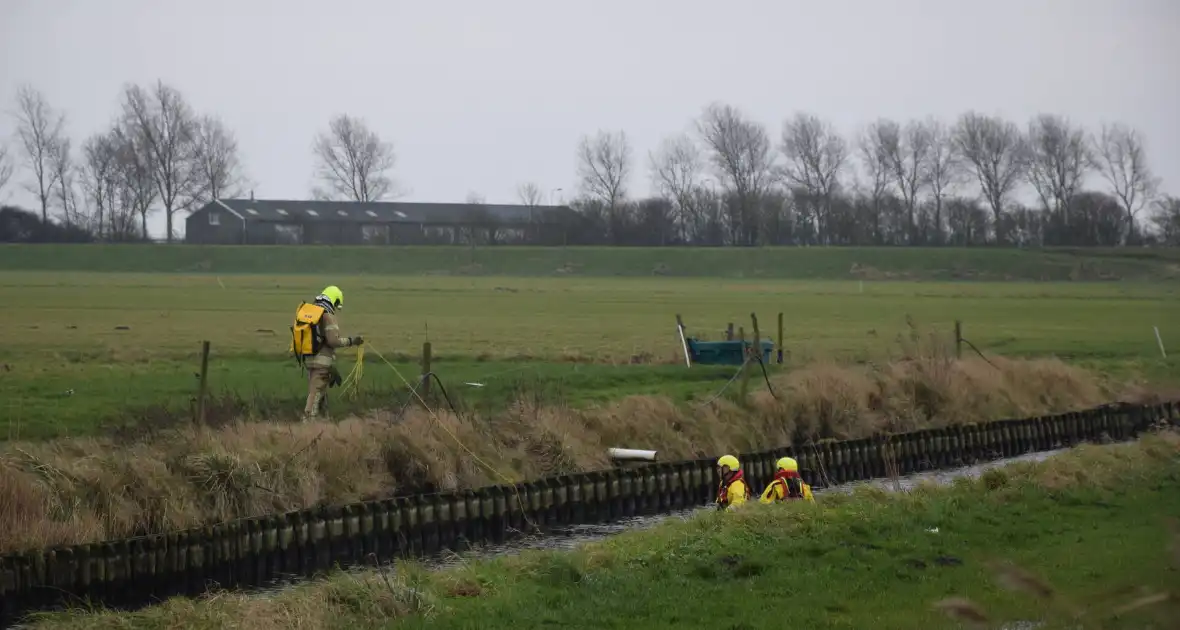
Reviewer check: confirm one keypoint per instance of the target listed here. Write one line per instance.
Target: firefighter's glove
(356, 341)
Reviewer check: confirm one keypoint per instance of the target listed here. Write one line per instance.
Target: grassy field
(546, 373)
(780, 263)
(1078, 541)
(88, 348)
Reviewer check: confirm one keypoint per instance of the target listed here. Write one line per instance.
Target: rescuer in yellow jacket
(787, 485)
(733, 489)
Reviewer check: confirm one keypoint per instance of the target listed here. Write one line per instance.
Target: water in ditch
(572, 536)
(575, 535)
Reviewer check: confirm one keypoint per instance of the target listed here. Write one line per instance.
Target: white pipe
(632, 454)
(1160, 341)
(684, 345)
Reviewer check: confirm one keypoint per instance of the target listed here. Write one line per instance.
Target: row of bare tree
(160, 155)
(912, 183)
(157, 155)
(723, 183)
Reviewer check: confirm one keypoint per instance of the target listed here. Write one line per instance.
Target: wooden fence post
(745, 386)
(425, 368)
(757, 336)
(203, 385)
(729, 332)
(958, 339)
(780, 338)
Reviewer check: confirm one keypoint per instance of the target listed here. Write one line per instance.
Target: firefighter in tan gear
(314, 340)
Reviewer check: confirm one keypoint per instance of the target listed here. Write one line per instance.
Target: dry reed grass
(375, 599)
(87, 489)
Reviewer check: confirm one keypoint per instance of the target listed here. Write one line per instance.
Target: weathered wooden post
(745, 386)
(958, 339)
(780, 338)
(425, 385)
(203, 384)
(757, 337)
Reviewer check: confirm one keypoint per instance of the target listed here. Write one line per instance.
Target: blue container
(723, 352)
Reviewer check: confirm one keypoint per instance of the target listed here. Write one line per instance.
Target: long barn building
(278, 222)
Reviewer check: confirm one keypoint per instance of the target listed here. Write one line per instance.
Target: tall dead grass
(379, 598)
(86, 489)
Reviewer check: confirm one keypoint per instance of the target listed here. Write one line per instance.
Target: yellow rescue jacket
(787, 487)
(733, 492)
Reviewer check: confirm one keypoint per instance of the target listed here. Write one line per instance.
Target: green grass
(865, 562)
(1089, 525)
(68, 369)
(796, 263)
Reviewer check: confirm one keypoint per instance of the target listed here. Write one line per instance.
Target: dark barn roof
(272, 210)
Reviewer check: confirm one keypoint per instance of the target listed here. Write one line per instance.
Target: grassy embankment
(1078, 541)
(570, 367)
(72, 490)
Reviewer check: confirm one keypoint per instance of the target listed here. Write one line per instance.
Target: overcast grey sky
(482, 95)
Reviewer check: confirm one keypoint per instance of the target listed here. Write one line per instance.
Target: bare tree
(62, 162)
(676, 170)
(604, 167)
(1166, 217)
(353, 162)
(166, 128)
(218, 167)
(6, 167)
(875, 146)
(39, 128)
(529, 194)
(1058, 160)
(908, 151)
(995, 151)
(136, 175)
(816, 155)
(945, 169)
(740, 152)
(1122, 160)
(100, 180)
(479, 225)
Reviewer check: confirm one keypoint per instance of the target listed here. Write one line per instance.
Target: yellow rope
(350, 387)
(439, 422)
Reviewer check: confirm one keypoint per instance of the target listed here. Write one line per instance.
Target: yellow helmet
(334, 295)
(729, 461)
(788, 464)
